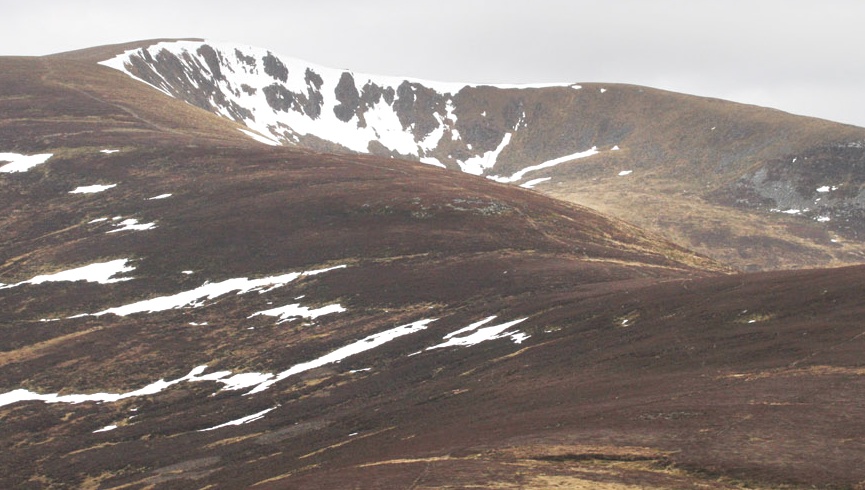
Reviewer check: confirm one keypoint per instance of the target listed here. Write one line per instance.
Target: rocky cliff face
(293, 102)
(827, 187)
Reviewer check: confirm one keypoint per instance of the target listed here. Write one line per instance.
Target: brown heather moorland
(639, 364)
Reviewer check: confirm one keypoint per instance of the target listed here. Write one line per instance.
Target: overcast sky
(800, 56)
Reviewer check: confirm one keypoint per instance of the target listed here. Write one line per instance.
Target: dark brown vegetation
(646, 366)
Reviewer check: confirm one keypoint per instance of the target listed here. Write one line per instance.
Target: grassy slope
(682, 167)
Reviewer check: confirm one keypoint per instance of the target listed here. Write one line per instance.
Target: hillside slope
(742, 184)
(184, 306)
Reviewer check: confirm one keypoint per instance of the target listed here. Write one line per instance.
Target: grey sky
(801, 56)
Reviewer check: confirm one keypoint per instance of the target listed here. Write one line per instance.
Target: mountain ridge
(720, 154)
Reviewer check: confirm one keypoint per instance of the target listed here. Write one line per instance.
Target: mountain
(752, 187)
(184, 306)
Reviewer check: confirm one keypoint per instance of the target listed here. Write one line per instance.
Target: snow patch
(105, 429)
(479, 335)
(242, 381)
(477, 165)
(432, 161)
(789, 211)
(521, 121)
(295, 311)
(131, 224)
(108, 152)
(625, 172)
(92, 189)
(22, 163)
(101, 272)
(161, 196)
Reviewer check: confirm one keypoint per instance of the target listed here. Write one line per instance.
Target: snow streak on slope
(242, 420)
(208, 291)
(102, 272)
(294, 311)
(151, 389)
(261, 381)
(361, 345)
(92, 189)
(261, 139)
(532, 183)
(549, 163)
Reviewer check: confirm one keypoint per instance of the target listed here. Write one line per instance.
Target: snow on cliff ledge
(285, 99)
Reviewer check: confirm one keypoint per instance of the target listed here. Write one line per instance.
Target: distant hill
(752, 187)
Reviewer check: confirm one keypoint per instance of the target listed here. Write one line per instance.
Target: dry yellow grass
(38, 349)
